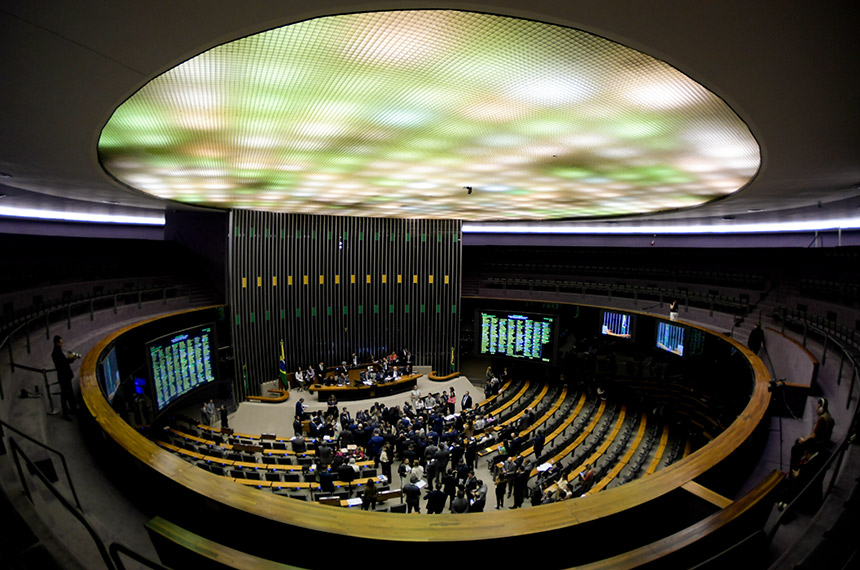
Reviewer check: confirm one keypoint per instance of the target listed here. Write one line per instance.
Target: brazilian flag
(282, 367)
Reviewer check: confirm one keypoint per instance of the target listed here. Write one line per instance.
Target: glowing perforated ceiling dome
(398, 114)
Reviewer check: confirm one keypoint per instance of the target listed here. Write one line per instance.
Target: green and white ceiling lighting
(394, 114)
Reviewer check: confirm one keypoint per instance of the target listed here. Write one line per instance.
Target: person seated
(817, 440)
(300, 379)
(346, 473)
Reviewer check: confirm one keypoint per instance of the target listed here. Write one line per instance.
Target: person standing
(300, 408)
(224, 423)
(501, 486)
(540, 441)
(413, 495)
(210, 412)
(369, 496)
(756, 338)
(63, 365)
(466, 402)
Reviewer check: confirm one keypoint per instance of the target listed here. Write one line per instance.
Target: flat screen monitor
(670, 338)
(617, 324)
(110, 374)
(513, 334)
(180, 362)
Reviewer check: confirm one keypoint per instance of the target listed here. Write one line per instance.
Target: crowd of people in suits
(435, 448)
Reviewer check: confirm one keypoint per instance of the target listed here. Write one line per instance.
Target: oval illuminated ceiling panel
(399, 114)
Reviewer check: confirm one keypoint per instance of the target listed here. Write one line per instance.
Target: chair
(274, 477)
(397, 508)
(253, 475)
(237, 473)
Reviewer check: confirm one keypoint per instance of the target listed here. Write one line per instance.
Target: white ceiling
(789, 70)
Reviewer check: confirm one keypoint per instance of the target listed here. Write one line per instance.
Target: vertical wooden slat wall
(330, 286)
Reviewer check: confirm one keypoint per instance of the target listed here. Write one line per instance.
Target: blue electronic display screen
(670, 338)
(110, 374)
(617, 324)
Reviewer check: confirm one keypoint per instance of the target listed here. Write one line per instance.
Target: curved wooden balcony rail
(401, 534)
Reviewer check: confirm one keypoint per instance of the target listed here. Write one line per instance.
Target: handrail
(828, 338)
(17, 454)
(44, 373)
(45, 313)
(839, 452)
(52, 450)
(372, 526)
(110, 556)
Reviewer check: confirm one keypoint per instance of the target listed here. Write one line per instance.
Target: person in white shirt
(418, 471)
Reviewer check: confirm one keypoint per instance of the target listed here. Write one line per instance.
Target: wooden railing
(207, 499)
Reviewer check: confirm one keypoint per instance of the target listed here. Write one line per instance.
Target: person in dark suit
(300, 408)
(479, 498)
(466, 401)
(756, 338)
(460, 504)
(413, 495)
(326, 480)
(540, 441)
(435, 500)
(224, 423)
(63, 365)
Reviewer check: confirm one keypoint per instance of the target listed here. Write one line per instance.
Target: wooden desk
(282, 397)
(362, 391)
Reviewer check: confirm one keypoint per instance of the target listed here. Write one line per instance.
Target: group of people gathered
(377, 369)
(435, 448)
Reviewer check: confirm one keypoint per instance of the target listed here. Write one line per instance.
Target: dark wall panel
(329, 286)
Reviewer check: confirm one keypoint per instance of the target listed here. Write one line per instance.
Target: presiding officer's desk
(362, 391)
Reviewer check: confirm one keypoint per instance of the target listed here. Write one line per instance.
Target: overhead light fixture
(59, 216)
(666, 229)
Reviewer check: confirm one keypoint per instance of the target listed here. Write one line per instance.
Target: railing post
(841, 363)
(824, 352)
(805, 332)
(114, 303)
(851, 387)
(92, 311)
(27, 334)
(52, 411)
(69, 316)
(47, 326)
